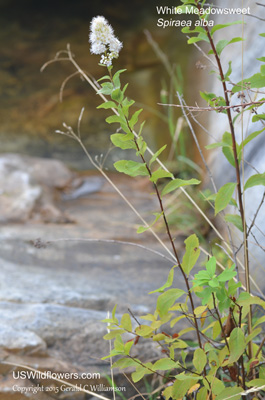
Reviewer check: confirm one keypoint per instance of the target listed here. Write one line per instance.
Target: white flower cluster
(103, 41)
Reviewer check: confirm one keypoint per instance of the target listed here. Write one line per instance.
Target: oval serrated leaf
(168, 282)
(107, 105)
(255, 180)
(192, 253)
(235, 220)
(164, 364)
(176, 183)
(237, 344)
(199, 360)
(143, 330)
(228, 392)
(126, 322)
(131, 168)
(123, 141)
(167, 299)
(160, 173)
(224, 196)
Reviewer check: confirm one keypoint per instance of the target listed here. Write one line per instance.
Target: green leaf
(262, 70)
(214, 282)
(160, 173)
(142, 229)
(221, 45)
(221, 26)
(255, 180)
(124, 363)
(168, 282)
(253, 334)
(250, 137)
(127, 347)
(202, 394)
(164, 364)
(230, 391)
(113, 334)
(224, 196)
(126, 322)
(105, 77)
(158, 337)
(192, 253)
(123, 141)
(116, 78)
(227, 274)
(201, 37)
(235, 220)
(117, 95)
(180, 387)
(262, 59)
(229, 71)
(199, 360)
(144, 330)
(237, 345)
(262, 34)
(167, 393)
(256, 81)
(141, 371)
(259, 321)
(228, 150)
(176, 183)
(107, 105)
(134, 118)
(217, 386)
(131, 168)
(258, 117)
(106, 88)
(167, 299)
(126, 104)
(154, 157)
(217, 144)
(211, 266)
(245, 299)
(114, 119)
(256, 382)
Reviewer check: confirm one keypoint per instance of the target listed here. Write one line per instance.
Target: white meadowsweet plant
(103, 41)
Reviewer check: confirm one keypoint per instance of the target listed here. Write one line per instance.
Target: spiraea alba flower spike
(103, 41)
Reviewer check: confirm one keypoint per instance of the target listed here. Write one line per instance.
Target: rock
(29, 187)
(17, 340)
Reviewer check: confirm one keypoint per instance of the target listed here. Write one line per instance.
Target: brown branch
(219, 109)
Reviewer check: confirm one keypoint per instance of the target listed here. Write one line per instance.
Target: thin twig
(172, 261)
(218, 109)
(220, 322)
(196, 142)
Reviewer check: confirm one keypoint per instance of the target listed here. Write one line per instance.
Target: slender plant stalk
(171, 240)
(237, 167)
